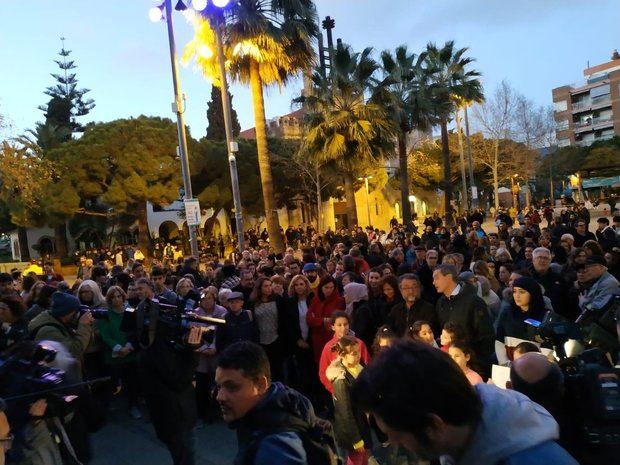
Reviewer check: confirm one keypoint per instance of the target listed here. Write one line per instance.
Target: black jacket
(607, 238)
(363, 323)
(470, 312)
(350, 422)
(555, 288)
(293, 332)
(402, 318)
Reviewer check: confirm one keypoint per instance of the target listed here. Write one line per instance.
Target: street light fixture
(216, 18)
(365, 179)
(165, 12)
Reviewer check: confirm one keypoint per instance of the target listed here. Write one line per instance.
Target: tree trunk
(264, 165)
(447, 177)
(24, 250)
(495, 177)
(319, 201)
(464, 202)
(349, 191)
(60, 240)
(404, 180)
(144, 239)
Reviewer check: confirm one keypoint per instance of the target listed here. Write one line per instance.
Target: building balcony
(592, 124)
(586, 86)
(595, 104)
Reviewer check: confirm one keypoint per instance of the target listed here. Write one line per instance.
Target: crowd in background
(329, 303)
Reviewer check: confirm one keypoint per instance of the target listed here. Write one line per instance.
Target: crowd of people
(313, 319)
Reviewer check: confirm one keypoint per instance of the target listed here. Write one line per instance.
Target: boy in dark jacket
(240, 325)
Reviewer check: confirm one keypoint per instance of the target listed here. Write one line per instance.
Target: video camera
(173, 323)
(592, 383)
(25, 377)
(96, 313)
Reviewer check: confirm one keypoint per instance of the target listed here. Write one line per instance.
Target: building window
(600, 90)
(562, 105)
(561, 125)
(563, 142)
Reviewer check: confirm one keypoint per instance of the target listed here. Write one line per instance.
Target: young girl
(450, 333)
(385, 338)
(422, 331)
(340, 327)
(462, 355)
(351, 424)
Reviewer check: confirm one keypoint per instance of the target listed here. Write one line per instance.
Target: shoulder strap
(35, 331)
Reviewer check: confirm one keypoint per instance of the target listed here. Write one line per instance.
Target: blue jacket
(282, 448)
(513, 431)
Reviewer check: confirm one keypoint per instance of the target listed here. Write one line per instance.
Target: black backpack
(318, 440)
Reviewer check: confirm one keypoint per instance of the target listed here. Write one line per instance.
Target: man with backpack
(274, 423)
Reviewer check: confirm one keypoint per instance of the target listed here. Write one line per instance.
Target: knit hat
(355, 292)
(63, 304)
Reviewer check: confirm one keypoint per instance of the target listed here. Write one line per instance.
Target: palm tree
(342, 126)
(453, 81)
(406, 93)
(266, 42)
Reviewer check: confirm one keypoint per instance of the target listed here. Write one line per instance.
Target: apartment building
(589, 111)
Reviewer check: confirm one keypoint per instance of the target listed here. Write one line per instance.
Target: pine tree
(67, 101)
(215, 117)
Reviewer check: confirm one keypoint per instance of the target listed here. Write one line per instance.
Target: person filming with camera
(166, 362)
(59, 324)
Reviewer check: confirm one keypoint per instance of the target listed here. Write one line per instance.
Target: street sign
(474, 192)
(192, 212)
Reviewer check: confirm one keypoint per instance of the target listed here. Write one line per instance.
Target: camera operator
(37, 420)
(166, 371)
(58, 323)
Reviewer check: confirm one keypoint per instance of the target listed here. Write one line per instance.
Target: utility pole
(472, 182)
(177, 107)
(231, 145)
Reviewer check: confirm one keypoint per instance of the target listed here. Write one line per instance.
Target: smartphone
(532, 322)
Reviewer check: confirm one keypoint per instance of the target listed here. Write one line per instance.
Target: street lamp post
(474, 190)
(230, 143)
(177, 107)
(366, 178)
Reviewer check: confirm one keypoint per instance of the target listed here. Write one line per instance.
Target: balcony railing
(591, 122)
(601, 99)
(583, 105)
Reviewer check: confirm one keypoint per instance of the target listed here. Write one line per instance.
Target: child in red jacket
(340, 326)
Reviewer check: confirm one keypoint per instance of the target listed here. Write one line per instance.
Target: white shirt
(456, 290)
(302, 308)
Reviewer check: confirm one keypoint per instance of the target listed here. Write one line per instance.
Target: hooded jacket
(274, 411)
(513, 431)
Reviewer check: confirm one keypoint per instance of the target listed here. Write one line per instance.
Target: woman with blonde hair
(302, 370)
(90, 294)
(119, 352)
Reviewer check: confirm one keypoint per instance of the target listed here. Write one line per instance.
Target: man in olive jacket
(57, 324)
(460, 305)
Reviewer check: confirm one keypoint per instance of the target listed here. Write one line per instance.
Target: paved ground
(125, 441)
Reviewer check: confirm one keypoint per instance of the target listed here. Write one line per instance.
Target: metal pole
(472, 183)
(178, 109)
(367, 199)
(551, 194)
(230, 143)
(465, 203)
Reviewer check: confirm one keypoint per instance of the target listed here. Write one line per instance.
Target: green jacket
(113, 337)
(52, 329)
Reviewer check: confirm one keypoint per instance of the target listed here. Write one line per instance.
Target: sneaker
(135, 413)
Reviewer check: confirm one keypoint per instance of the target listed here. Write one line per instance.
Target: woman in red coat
(326, 302)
